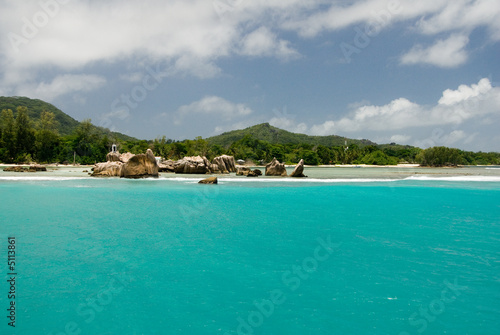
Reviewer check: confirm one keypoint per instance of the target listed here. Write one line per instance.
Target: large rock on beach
(225, 164)
(299, 170)
(140, 166)
(275, 168)
(242, 171)
(193, 165)
(211, 180)
(166, 166)
(127, 166)
(113, 157)
(107, 169)
(31, 168)
(126, 156)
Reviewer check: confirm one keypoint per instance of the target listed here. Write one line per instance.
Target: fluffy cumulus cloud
(65, 84)
(192, 36)
(71, 34)
(444, 53)
(460, 111)
(213, 106)
(452, 121)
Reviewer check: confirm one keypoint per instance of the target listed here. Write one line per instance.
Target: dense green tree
(47, 138)
(440, 156)
(7, 140)
(310, 157)
(324, 154)
(378, 157)
(24, 135)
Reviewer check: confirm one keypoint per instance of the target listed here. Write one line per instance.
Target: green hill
(66, 124)
(268, 133)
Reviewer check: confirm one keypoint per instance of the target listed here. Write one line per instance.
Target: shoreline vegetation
(33, 133)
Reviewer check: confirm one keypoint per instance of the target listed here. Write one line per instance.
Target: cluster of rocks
(244, 171)
(275, 168)
(31, 168)
(199, 165)
(127, 165)
(145, 165)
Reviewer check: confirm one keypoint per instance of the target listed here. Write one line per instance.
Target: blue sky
(423, 73)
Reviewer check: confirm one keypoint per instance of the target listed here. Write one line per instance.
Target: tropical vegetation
(35, 131)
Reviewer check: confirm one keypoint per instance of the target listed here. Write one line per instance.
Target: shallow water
(346, 251)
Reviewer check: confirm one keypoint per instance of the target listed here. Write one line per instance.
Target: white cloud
(134, 77)
(463, 16)
(452, 121)
(262, 42)
(464, 92)
(213, 106)
(65, 84)
(400, 139)
(326, 128)
(454, 107)
(289, 124)
(447, 53)
(191, 37)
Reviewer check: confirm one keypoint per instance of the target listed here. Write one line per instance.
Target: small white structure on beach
(113, 148)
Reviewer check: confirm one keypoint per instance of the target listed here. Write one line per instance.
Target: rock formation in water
(31, 168)
(192, 165)
(140, 166)
(244, 171)
(127, 166)
(275, 168)
(224, 164)
(210, 180)
(107, 169)
(166, 166)
(144, 165)
(299, 170)
(113, 157)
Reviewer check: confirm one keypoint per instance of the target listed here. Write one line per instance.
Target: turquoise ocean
(412, 254)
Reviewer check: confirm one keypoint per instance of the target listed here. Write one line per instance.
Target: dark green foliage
(266, 132)
(378, 157)
(66, 125)
(47, 135)
(441, 156)
(8, 140)
(24, 135)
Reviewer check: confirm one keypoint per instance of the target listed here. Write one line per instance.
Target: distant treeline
(23, 140)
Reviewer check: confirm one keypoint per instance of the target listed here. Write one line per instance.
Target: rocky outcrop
(113, 157)
(275, 168)
(224, 163)
(127, 166)
(244, 171)
(166, 166)
(107, 169)
(126, 157)
(31, 168)
(193, 165)
(140, 166)
(299, 170)
(211, 180)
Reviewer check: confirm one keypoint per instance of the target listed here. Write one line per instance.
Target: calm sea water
(169, 256)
